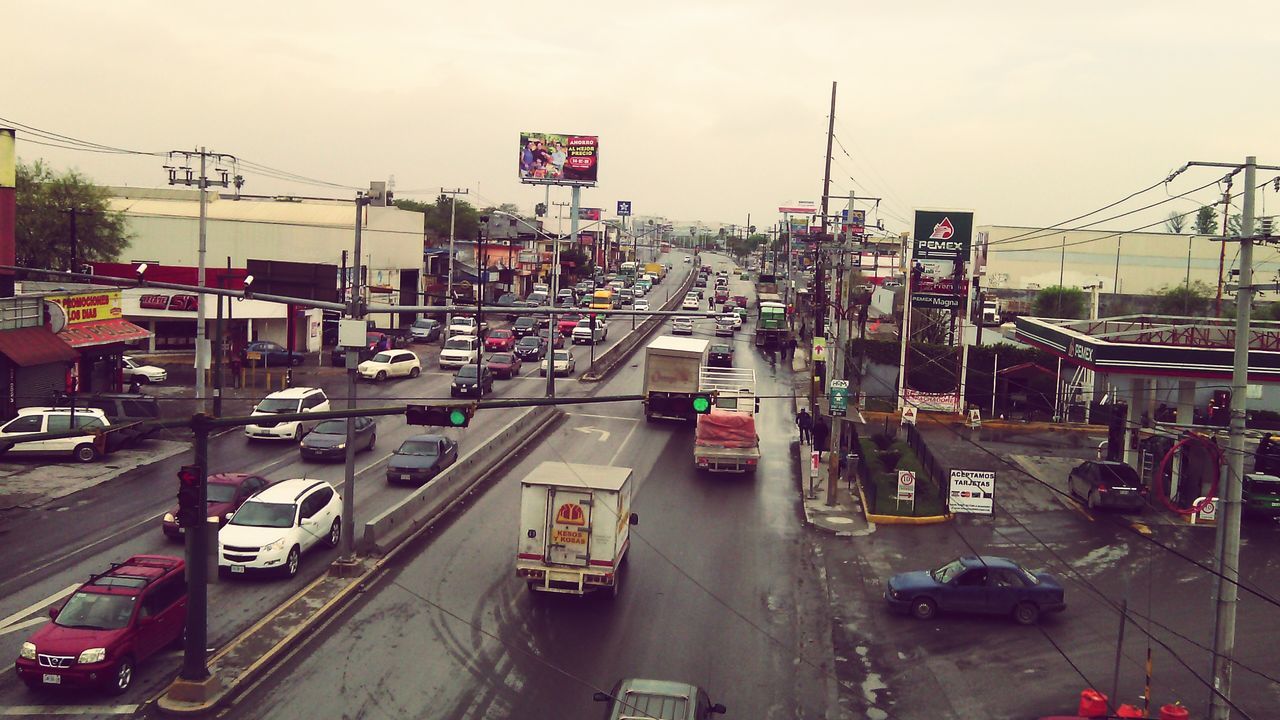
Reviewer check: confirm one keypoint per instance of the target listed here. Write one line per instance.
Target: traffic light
(190, 514)
(449, 415)
(702, 403)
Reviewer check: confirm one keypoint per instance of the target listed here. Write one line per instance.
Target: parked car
(328, 440)
(562, 361)
(390, 363)
(273, 528)
(292, 400)
(420, 458)
(268, 354)
(472, 381)
(500, 341)
(225, 493)
(552, 339)
(425, 330)
(1261, 495)
(124, 408)
(458, 351)
(133, 369)
(505, 365)
(530, 347)
(720, 355)
(1107, 484)
(658, 699)
(682, 326)
(54, 419)
(524, 325)
(588, 334)
(985, 584)
(110, 624)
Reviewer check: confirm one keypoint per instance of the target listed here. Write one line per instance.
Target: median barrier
(395, 524)
(614, 356)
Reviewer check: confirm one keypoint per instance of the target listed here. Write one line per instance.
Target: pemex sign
(943, 235)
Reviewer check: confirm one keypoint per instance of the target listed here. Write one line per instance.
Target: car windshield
(947, 572)
(221, 493)
(419, 447)
(528, 341)
(424, 324)
(457, 344)
(277, 405)
(96, 611)
(1262, 484)
(525, 322)
(725, 349)
(562, 355)
(500, 334)
(501, 358)
(467, 371)
(1118, 476)
(332, 427)
(264, 514)
(382, 357)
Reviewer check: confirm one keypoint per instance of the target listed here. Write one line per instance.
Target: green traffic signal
(457, 418)
(701, 404)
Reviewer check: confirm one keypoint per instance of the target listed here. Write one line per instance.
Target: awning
(103, 332)
(35, 346)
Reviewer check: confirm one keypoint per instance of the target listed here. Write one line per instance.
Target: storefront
(170, 318)
(91, 322)
(33, 367)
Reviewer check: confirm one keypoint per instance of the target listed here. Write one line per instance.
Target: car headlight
(92, 655)
(169, 518)
(341, 446)
(28, 651)
(213, 518)
(277, 545)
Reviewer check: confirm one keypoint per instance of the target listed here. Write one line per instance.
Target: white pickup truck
(726, 439)
(575, 523)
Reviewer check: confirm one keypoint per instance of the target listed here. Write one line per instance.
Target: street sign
(906, 486)
(839, 400)
(252, 355)
(819, 349)
(975, 418)
(624, 208)
(972, 491)
(909, 415)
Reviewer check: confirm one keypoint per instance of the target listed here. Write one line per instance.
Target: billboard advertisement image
(558, 159)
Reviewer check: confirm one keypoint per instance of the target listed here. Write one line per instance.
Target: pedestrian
(791, 348)
(805, 422)
(821, 429)
(135, 386)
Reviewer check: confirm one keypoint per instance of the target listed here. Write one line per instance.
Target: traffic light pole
(194, 667)
(346, 553)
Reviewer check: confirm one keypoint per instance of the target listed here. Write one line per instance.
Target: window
(137, 409)
(59, 423)
(312, 401)
(322, 498)
(1004, 577)
(165, 594)
(976, 577)
(25, 424)
(88, 421)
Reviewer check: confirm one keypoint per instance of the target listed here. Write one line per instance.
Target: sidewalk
(31, 483)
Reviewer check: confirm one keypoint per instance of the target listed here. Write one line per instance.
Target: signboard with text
(906, 487)
(624, 209)
(559, 159)
(88, 307)
(972, 491)
(942, 235)
(839, 399)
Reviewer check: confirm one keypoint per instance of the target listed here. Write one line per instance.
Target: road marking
(38, 605)
(1078, 507)
(21, 710)
(604, 434)
(24, 624)
(603, 417)
(623, 444)
(1141, 527)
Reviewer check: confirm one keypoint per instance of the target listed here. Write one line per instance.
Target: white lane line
(22, 710)
(603, 417)
(22, 625)
(38, 605)
(614, 459)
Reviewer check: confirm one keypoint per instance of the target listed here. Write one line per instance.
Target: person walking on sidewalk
(805, 422)
(790, 347)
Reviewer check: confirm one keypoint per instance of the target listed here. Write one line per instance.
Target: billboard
(589, 213)
(972, 491)
(558, 159)
(803, 207)
(943, 235)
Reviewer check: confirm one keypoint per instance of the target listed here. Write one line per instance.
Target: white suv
(272, 529)
(459, 350)
(54, 419)
(293, 400)
(583, 332)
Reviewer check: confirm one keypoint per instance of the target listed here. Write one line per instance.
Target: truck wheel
(86, 453)
(617, 584)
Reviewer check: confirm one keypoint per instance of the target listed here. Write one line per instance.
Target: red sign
(181, 303)
(102, 332)
(943, 230)
(570, 514)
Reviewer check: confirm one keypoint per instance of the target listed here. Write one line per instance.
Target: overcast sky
(1027, 112)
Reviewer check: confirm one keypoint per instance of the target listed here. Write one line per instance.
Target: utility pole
(355, 310)
(72, 212)
(837, 370)
(820, 292)
(1222, 252)
(202, 182)
(453, 214)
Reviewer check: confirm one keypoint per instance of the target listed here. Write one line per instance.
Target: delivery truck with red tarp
(726, 439)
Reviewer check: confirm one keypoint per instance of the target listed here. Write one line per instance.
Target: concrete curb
(618, 354)
(950, 419)
(900, 519)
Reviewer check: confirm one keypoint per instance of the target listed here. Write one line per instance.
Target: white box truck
(726, 439)
(671, 368)
(575, 527)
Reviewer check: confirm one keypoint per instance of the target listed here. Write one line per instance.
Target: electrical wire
(72, 143)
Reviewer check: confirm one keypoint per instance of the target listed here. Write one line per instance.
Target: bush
(883, 441)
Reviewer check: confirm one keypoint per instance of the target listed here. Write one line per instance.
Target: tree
(1176, 222)
(1193, 299)
(436, 218)
(1206, 221)
(1060, 302)
(43, 227)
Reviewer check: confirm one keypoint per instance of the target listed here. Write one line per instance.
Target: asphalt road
(717, 591)
(46, 552)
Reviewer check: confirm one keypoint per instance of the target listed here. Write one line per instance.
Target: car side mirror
(718, 709)
(53, 612)
(601, 697)
(634, 519)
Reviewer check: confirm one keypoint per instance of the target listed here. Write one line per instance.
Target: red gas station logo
(571, 514)
(943, 230)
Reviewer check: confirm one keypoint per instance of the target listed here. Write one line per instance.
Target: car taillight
(1102, 488)
(751, 461)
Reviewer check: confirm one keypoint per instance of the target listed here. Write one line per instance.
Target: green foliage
(1060, 302)
(1176, 222)
(1206, 222)
(436, 218)
(1194, 299)
(741, 247)
(43, 226)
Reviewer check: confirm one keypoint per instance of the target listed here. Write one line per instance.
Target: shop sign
(177, 302)
(87, 307)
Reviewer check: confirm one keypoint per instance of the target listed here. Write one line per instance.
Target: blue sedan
(987, 584)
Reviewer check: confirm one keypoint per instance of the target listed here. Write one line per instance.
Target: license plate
(404, 476)
(237, 569)
(51, 679)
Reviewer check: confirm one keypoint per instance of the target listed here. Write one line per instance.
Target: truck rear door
(570, 536)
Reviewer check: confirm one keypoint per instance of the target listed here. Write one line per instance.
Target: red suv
(114, 621)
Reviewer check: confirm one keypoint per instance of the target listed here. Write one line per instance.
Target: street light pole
(453, 213)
